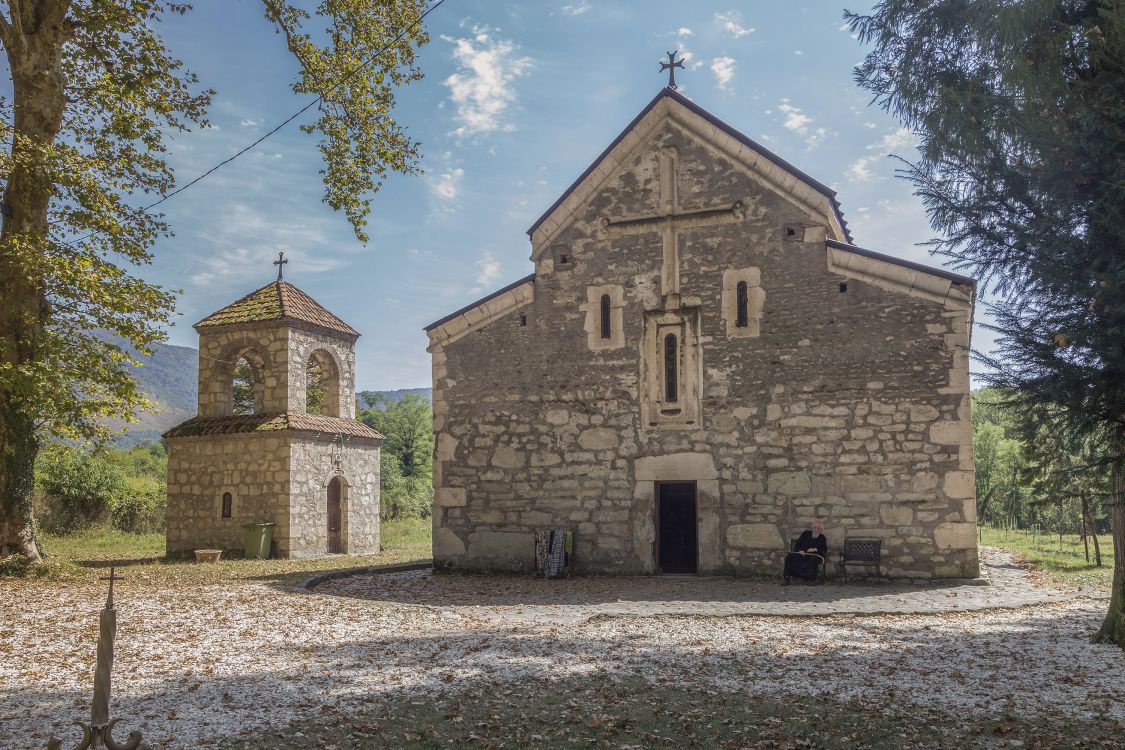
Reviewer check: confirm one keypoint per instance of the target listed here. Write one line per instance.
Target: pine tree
(1020, 111)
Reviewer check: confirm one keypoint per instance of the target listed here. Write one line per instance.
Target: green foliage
(409, 430)
(406, 487)
(402, 497)
(81, 489)
(1019, 106)
(314, 387)
(243, 388)
(78, 488)
(99, 96)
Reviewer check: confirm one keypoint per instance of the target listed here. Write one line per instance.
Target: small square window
(523, 319)
(791, 233)
(844, 287)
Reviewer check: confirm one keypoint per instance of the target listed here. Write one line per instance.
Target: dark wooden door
(334, 515)
(677, 534)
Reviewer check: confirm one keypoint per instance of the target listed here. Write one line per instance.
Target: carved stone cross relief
(670, 219)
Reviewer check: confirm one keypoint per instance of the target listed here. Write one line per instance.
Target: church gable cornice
(668, 106)
(479, 314)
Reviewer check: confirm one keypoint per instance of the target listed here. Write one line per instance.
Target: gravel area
(198, 666)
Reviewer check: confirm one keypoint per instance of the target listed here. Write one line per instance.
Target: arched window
(743, 317)
(228, 505)
(245, 391)
(671, 369)
(605, 316)
(322, 385)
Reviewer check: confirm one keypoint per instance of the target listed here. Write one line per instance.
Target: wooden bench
(863, 552)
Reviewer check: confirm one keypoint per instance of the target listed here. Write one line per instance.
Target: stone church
(276, 439)
(700, 365)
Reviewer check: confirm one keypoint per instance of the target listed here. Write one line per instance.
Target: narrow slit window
(523, 319)
(671, 369)
(228, 503)
(605, 316)
(743, 318)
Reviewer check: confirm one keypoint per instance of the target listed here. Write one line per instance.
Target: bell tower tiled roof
(279, 300)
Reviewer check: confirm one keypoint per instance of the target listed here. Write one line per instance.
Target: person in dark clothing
(812, 551)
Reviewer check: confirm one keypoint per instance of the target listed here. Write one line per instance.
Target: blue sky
(519, 97)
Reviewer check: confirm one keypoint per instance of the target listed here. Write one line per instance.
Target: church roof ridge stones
(264, 423)
(277, 301)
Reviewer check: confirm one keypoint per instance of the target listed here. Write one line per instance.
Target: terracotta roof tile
(297, 421)
(278, 300)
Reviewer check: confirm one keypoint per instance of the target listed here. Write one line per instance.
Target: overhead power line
(319, 98)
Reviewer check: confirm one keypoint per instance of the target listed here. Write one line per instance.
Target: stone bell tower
(275, 439)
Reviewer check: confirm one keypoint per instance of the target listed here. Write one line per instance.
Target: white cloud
(448, 184)
(482, 88)
(576, 9)
(248, 123)
(799, 122)
(723, 68)
(896, 140)
(798, 52)
(794, 119)
(488, 271)
(248, 240)
(860, 169)
(684, 31)
(732, 24)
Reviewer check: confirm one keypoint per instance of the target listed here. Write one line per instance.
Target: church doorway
(334, 516)
(677, 528)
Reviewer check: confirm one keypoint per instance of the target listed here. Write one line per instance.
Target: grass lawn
(1066, 565)
(84, 556)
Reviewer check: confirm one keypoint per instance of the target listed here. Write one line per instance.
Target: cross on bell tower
(280, 263)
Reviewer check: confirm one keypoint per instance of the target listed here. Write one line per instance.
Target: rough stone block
(950, 432)
(449, 497)
(512, 550)
(893, 515)
(789, 483)
(675, 466)
(960, 484)
(508, 458)
(755, 536)
(447, 545)
(598, 438)
(955, 535)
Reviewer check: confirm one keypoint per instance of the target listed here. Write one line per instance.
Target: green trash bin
(256, 539)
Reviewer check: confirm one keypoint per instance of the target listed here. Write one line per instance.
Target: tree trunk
(1113, 629)
(1091, 529)
(33, 39)
(1085, 537)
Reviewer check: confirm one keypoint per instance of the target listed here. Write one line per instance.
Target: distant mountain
(170, 378)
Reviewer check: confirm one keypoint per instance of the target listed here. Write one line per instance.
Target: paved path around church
(520, 599)
(197, 665)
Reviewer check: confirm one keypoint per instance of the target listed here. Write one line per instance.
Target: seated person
(812, 550)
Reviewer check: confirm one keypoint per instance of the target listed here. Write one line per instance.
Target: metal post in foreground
(98, 733)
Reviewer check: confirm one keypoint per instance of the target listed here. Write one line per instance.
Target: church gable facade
(700, 365)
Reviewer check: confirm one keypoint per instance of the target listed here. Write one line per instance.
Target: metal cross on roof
(280, 263)
(671, 66)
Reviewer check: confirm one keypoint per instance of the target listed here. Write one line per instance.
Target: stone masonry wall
(850, 406)
(313, 467)
(303, 341)
(265, 345)
(254, 468)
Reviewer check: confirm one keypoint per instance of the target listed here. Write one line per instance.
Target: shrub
(403, 497)
(142, 508)
(76, 489)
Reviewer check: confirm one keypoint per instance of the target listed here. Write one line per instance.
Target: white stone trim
(755, 302)
(898, 278)
(476, 318)
(593, 324)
